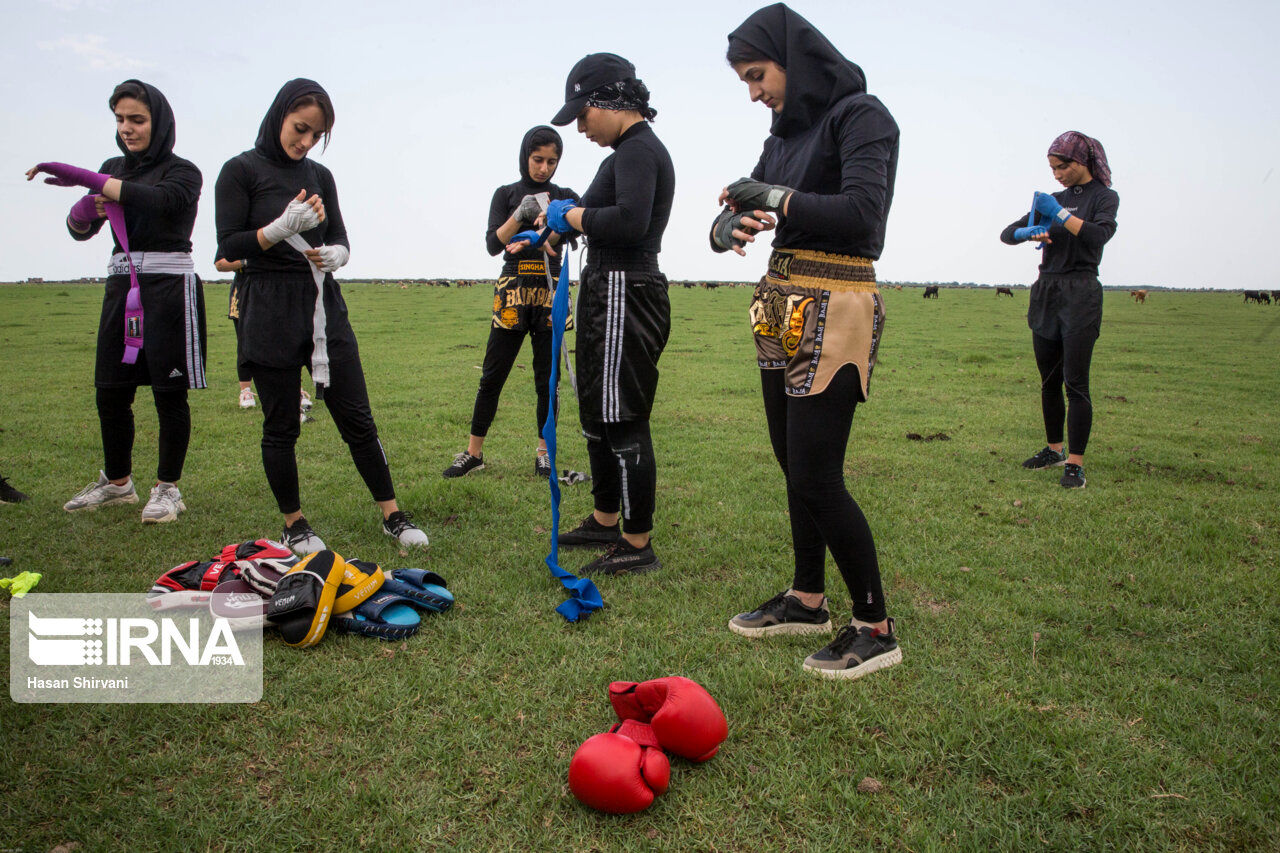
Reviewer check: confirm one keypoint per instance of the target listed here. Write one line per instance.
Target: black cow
(1004, 291)
(1253, 296)
(931, 290)
(1275, 294)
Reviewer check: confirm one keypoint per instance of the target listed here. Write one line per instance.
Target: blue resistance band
(583, 598)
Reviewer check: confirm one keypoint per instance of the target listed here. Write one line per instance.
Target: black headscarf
(163, 134)
(526, 149)
(818, 75)
(268, 144)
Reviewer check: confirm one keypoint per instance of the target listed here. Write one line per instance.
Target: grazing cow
(1254, 296)
(1138, 295)
(1275, 294)
(931, 290)
(1004, 291)
(899, 287)
(1263, 297)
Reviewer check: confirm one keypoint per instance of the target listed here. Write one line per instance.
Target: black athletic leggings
(809, 436)
(115, 415)
(499, 356)
(1062, 363)
(624, 475)
(242, 370)
(347, 402)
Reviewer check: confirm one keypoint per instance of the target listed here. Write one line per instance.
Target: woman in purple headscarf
(1065, 314)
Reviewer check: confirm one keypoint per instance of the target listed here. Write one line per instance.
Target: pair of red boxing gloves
(623, 770)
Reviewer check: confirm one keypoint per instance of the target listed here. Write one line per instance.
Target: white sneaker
(305, 402)
(246, 398)
(400, 528)
(164, 505)
(301, 539)
(102, 493)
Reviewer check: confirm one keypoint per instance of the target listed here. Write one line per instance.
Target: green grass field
(1093, 668)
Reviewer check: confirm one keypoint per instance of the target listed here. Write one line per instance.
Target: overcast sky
(433, 98)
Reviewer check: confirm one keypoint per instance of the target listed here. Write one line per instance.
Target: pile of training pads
(262, 584)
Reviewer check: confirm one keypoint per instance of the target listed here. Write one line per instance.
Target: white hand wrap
(333, 258)
(297, 217)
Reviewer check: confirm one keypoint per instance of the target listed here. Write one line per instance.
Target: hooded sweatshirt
(254, 188)
(159, 191)
(507, 198)
(834, 144)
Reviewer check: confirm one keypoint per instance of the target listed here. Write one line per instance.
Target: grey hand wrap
(722, 229)
(752, 195)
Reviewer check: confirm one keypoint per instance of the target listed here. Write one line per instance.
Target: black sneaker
(400, 528)
(590, 533)
(623, 558)
(783, 614)
(1072, 477)
(301, 539)
(542, 465)
(856, 651)
(463, 464)
(1047, 458)
(10, 495)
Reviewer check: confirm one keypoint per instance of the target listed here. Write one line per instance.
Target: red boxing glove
(620, 771)
(685, 719)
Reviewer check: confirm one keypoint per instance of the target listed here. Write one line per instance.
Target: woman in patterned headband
(1065, 315)
(826, 175)
(152, 330)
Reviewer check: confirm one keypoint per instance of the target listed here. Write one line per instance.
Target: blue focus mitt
(555, 215)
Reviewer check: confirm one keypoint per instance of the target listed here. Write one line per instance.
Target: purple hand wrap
(73, 176)
(132, 303)
(84, 211)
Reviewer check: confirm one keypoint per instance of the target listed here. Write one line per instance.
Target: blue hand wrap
(535, 238)
(1023, 234)
(584, 598)
(555, 215)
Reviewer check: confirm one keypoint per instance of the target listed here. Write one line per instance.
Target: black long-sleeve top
(842, 169)
(627, 206)
(159, 205)
(1072, 254)
(252, 191)
(505, 200)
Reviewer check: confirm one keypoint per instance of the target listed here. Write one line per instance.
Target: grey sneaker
(164, 505)
(301, 539)
(399, 527)
(856, 651)
(102, 493)
(1046, 458)
(783, 614)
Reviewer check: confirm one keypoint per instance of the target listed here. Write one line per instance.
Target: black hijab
(163, 134)
(526, 149)
(818, 75)
(268, 144)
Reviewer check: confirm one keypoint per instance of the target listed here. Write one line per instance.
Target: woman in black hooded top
(521, 298)
(278, 210)
(158, 192)
(826, 175)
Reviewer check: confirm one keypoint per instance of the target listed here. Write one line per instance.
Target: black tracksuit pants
(115, 417)
(809, 436)
(347, 401)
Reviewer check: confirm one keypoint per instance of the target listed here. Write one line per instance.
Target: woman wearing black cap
(1065, 315)
(827, 174)
(152, 327)
(624, 317)
(521, 298)
(278, 210)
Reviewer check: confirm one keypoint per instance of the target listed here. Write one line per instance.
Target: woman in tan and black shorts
(826, 180)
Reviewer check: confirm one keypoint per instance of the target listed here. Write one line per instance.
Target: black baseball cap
(591, 72)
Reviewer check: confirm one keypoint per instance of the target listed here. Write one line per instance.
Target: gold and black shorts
(815, 312)
(522, 302)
